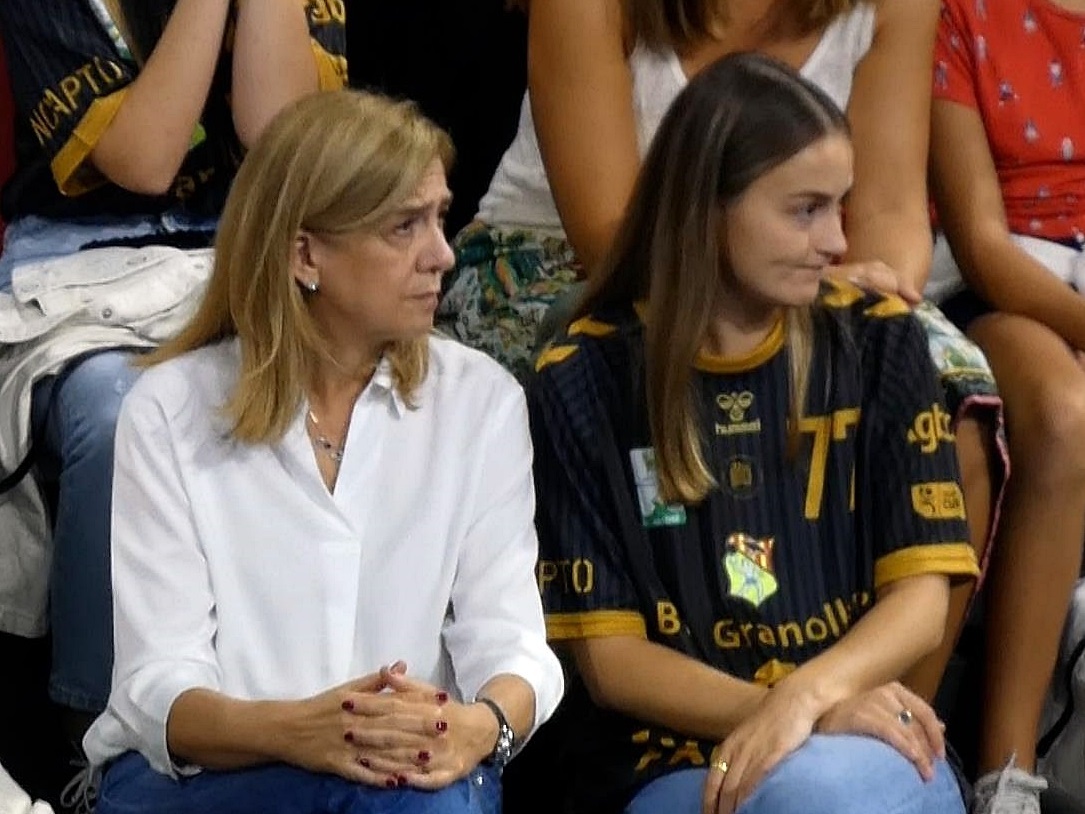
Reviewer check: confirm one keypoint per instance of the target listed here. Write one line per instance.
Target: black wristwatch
(502, 752)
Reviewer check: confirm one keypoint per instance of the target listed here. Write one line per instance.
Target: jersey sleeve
(582, 573)
(911, 503)
(328, 33)
(69, 80)
(955, 57)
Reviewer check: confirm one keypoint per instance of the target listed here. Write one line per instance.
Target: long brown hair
(678, 24)
(735, 121)
(331, 163)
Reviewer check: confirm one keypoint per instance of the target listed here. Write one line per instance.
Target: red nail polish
(423, 756)
(401, 781)
(391, 783)
(442, 726)
(349, 737)
(363, 762)
(348, 705)
(442, 697)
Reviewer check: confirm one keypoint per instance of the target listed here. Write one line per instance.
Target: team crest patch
(747, 562)
(653, 511)
(743, 478)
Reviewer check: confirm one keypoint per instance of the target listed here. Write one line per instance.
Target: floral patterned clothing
(1021, 65)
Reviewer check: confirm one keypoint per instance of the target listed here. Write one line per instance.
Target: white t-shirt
(519, 194)
(235, 569)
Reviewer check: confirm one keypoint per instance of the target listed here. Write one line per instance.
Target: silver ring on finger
(905, 716)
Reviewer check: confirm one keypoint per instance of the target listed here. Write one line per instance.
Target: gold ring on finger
(721, 766)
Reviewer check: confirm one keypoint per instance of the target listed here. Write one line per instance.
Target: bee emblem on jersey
(654, 512)
(747, 561)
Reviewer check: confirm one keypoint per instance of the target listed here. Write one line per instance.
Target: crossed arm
(145, 144)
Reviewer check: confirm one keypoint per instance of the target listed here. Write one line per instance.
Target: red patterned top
(1021, 65)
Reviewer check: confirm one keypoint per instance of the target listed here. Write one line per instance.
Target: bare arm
(971, 212)
(273, 63)
(582, 103)
(517, 700)
(356, 730)
(659, 685)
(906, 623)
(887, 213)
(654, 683)
(208, 729)
(147, 141)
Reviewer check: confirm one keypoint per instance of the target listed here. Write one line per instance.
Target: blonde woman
(323, 577)
(750, 511)
(131, 120)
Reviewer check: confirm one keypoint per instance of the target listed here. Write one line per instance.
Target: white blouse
(235, 569)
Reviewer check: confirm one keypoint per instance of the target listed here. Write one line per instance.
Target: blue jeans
(131, 786)
(74, 416)
(829, 774)
(34, 239)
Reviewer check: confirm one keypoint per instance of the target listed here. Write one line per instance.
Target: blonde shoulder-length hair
(331, 163)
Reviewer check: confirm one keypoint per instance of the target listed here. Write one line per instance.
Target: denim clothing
(73, 416)
(829, 774)
(131, 786)
(33, 238)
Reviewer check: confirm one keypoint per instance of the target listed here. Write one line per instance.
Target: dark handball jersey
(783, 557)
(70, 66)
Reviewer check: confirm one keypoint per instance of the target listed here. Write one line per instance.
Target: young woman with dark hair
(601, 74)
(750, 514)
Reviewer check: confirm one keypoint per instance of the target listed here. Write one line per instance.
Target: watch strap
(506, 738)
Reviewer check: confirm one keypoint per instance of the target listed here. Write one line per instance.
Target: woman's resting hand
(894, 714)
(780, 725)
(415, 734)
(876, 276)
(322, 735)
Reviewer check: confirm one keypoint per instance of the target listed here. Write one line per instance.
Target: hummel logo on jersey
(735, 406)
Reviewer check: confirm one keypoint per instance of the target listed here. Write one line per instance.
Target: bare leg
(1037, 555)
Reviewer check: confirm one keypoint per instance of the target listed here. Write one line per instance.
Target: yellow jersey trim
(952, 559)
(772, 672)
(553, 354)
(587, 326)
(73, 175)
(768, 348)
(331, 69)
(595, 624)
(889, 306)
(843, 295)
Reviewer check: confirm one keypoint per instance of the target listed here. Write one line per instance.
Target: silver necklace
(324, 444)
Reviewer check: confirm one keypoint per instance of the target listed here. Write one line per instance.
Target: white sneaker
(1008, 791)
